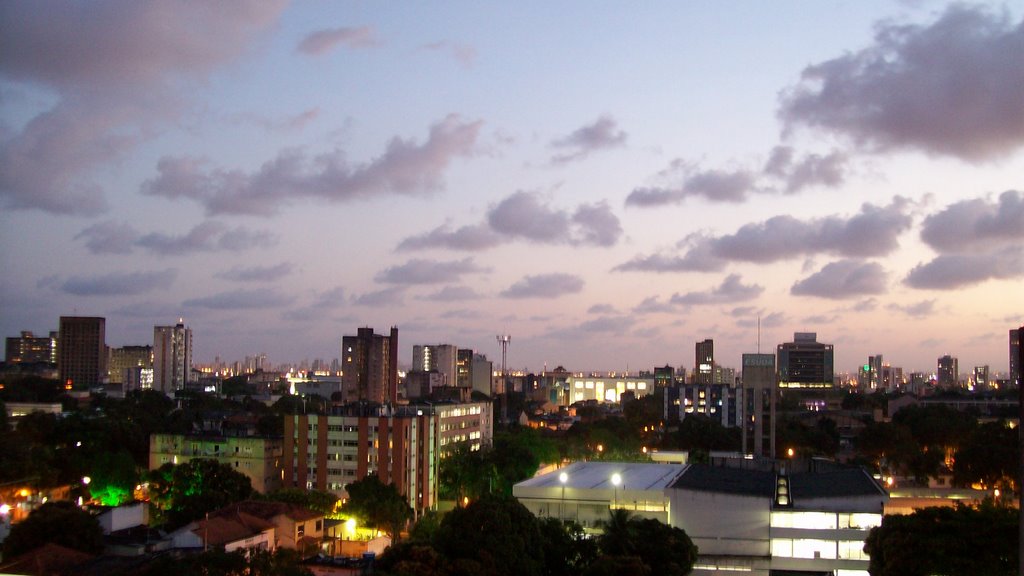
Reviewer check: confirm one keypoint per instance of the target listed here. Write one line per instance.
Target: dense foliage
(186, 492)
(377, 504)
(55, 522)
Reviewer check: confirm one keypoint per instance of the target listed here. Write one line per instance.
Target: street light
(563, 478)
(616, 480)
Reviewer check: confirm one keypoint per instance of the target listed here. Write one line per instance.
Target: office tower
(1015, 361)
(172, 357)
(805, 362)
(442, 358)
(82, 351)
(758, 405)
(664, 376)
(369, 364)
(981, 378)
(704, 362)
(948, 373)
(30, 349)
(874, 372)
(126, 358)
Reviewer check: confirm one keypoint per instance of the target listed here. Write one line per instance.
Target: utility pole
(503, 341)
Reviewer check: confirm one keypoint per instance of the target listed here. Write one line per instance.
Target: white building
(606, 389)
(172, 357)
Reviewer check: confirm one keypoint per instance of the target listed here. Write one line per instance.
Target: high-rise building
(31, 349)
(981, 381)
(758, 405)
(704, 362)
(126, 358)
(948, 373)
(1015, 361)
(440, 357)
(369, 364)
(805, 362)
(172, 357)
(82, 351)
(875, 371)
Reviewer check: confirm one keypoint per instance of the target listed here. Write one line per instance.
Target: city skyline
(607, 184)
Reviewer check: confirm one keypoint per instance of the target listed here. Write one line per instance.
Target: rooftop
(839, 482)
(598, 476)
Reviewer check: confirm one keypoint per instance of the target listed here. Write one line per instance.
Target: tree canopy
(378, 504)
(59, 522)
(185, 492)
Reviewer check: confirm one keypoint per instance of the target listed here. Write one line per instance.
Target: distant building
(474, 371)
(30, 349)
(606, 389)
(805, 362)
(948, 373)
(402, 444)
(1015, 360)
(125, 359)
(82, 351)
(719, 402)
(442, 358)
(258, 458)
(704, 362)
(981, 381)
(758, 404)
(370, 367)
(172, 358)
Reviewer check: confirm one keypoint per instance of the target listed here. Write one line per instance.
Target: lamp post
(563, 478)
(616, 480)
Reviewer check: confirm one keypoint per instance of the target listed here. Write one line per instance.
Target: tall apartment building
(82, 351)
(704, 362)
(402, 445)
(805, 362)
(442, 358)
(172, 357)
(473, 371)
(758, 405)
(719, 402)
(948, 372)
(1015, 361)
(256, 457)
(126, 358)
(981, 381)
(31, 349)
(369, 364)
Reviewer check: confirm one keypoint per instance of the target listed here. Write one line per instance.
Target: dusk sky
(606, 182)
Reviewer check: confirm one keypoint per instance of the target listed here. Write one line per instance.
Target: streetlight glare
(616, 479)
(563, 477)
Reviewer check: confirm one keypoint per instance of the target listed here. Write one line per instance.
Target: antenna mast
(503, 341)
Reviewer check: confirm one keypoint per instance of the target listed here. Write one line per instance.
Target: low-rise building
(257, 457)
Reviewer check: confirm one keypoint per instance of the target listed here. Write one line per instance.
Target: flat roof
(597, 475)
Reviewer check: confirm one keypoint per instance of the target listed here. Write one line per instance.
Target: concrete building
(82, 352)
(474, 371)
(585, 492)
(172, 358)
(758, 405)
(401, 444)
(30, 349)
(125, 359)
(1015, 361)
(981, 381)
(763, 522)
(606, 388)
(805, 362)
(258, 458)
(948, 372)
(720, 402)
(369, 364)
(442, 358)
(704, 362)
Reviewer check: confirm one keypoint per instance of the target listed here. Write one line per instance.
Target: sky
(605, 182)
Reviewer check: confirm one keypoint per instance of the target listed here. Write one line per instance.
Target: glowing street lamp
(563, 478)
(616, 480)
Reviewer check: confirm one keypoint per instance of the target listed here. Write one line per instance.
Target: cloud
(773, 320)
(205, 237)
(951, 271)
(866, 305)
(419, 271)
(950, 88)
(453, 294)
(696, 259)
(604, 133)
(257, 273)
(119, 283)
(977, 223)
(713, 185)
(812, 170)
(604, 326)
(392, 296)
(653, 305)
(323, 41)
(329, 299)
(244, 299)
(109, 237)
(467, 238)
(918, 310)
(524, 215)
(601, 309)
(730, 290)
(464, 54)
(405, 167)
(545, 286)
(844, 279)
(117, 70)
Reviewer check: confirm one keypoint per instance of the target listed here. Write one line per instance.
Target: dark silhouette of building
(948, 374)
(759, 402)
(369, 364)
(31, 349)
(82, 351)
(805, 362)
(1015, 361)
(704, 362)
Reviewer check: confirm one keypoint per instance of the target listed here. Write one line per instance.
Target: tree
(961, 541)
(567, 549)
(113, 478)
(185, 492)
(248, 562)
(378, 504)
(465, 473)
(59, 522)
(663, 549)
(496, 534)
(989, 456)
(322, 502)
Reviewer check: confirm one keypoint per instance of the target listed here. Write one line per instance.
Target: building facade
(704, 362)
(758, 404)
(172, 358)
(369, 364)
(606, 389)
(719, 402)
(30, 349)
(1015, 361)
(256, 457)
(126, 358)
(805, 362)
(442, 358)
(947, 372)
(82, 351)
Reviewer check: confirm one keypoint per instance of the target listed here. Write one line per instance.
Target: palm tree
(619, 537)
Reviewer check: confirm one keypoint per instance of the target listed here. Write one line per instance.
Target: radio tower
(503, 341)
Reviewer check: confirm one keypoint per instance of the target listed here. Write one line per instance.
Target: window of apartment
(319, 525)
(300, 530)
